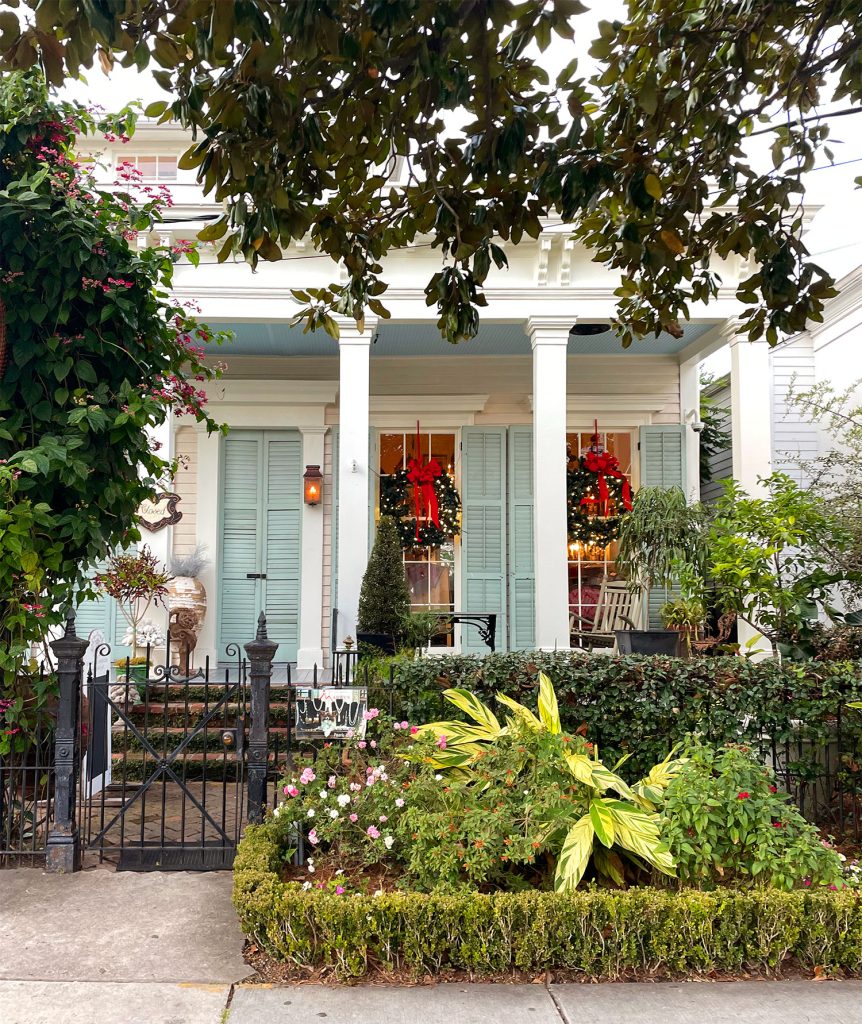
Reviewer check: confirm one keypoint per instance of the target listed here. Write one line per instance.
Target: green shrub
(726, 821)
(384, 599)
(602, 933)
(643, 706)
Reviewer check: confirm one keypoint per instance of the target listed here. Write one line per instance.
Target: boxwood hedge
(601, 933)
(644, 705)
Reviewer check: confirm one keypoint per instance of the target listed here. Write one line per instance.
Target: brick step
(168, 740)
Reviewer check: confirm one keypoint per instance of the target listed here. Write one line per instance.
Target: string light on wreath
(599, 495)
(424, 502)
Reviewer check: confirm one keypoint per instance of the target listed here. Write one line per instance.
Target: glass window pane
(167, 168)
(391, 452)
(147, 166)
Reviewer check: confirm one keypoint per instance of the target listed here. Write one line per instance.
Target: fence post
(260, 653)
(62, 851)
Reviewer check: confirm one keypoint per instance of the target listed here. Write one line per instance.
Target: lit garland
(593, 521)
(396, 501)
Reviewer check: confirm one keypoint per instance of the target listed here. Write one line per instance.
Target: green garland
(584, 525)
(396, 500)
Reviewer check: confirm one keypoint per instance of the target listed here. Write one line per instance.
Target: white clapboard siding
(185, 484)
(794, 439)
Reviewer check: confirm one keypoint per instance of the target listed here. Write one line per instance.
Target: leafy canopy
(367, 125)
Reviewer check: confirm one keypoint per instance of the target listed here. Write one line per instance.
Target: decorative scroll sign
(156, 514)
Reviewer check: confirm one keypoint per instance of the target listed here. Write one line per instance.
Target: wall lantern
(312, 481)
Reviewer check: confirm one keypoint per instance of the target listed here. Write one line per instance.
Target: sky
(833, 238)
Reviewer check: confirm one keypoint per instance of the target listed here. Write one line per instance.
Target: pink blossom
(354, 818)
(369, 770)
(313, 837)
(331, 781)
(372, 832)
(405, 725)
(371, 713)
(373, 744)
(339, 890)
(414, 729)
(307, 776)
(441, 743)
(291, 791)
(362, 744)
(399, 802)
(383, 818)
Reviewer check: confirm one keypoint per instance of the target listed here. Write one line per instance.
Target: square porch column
(354, 349)
(310, 652)
(751, 433)
(549, 339)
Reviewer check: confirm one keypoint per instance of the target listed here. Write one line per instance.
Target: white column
(353, 471)
(209, 496)
(310, 651)
(751, 412)
(751, 431)
(689, 402)
(550, 521)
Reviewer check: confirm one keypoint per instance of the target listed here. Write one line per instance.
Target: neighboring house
(498, 413)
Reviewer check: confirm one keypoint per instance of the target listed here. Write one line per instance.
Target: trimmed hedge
(644, 705)
(601, 933)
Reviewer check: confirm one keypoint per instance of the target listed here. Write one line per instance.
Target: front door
(260, 537)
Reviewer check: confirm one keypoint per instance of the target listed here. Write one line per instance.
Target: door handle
(255, 575)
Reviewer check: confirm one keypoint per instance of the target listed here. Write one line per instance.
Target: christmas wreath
(431, 515)
(599, 495)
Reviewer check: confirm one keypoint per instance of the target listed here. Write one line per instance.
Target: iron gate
(163, 772)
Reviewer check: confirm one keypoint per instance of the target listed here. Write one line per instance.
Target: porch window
(156, 168)
(430, 571)
(590, 564)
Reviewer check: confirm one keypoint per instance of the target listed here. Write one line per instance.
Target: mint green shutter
(282, 540)
(241, 537)
(522, 594)
(662, 463)
(483, 530)
(103, 614)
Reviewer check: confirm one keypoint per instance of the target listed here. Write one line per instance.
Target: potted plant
(136, 582)
(185, 589)
(662, 539)
(384, 599)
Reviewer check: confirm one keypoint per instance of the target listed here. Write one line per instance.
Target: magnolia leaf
(672, 240)
(653, 186)
(575, 855)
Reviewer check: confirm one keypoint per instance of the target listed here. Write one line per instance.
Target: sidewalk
(106, 948)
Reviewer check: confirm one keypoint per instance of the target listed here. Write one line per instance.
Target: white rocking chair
(617, 607)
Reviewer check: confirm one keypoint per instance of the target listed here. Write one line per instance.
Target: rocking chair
(617, 607)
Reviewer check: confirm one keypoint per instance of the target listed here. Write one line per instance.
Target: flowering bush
(726, 821)
(350, 802)
(135, 581)
(96, 353)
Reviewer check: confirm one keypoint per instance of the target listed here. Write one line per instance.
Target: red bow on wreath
(603, 464)
(422, 475)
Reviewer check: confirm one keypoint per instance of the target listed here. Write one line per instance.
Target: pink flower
(307, 776)
(441, 743)
(405, 725)
(354, 818)
(339, 890)
(355, 787)
(291, 791)
(371, 713)
(399, 802)
(313, 838)
(396, 726)
(369, 770)
(372, 832)
(373, 744)
(414, 729)
(331, 781)
(362, 744)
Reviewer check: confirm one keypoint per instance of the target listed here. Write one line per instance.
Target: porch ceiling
(405, 339)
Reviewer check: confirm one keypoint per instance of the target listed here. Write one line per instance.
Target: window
(430, 571)
(155, 168)
(590, 564)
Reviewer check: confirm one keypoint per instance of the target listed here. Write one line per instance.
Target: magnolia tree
(94, 354)
(365, 125)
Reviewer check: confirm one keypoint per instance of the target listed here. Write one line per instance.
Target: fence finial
(261, 627)
(70, 623)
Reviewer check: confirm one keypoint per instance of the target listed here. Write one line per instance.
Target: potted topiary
(384, 599)
(662, 538)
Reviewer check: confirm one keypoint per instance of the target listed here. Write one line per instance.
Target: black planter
(384, 642)
(649, 641)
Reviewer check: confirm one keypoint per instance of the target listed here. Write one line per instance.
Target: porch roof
(411, 339)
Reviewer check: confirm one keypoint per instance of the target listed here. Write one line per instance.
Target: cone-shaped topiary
(384, 600)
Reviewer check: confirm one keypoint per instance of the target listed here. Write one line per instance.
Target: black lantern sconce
(312, 481)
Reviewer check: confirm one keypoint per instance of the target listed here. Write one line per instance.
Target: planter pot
(385, 642)
(187, 592)
(649, 641)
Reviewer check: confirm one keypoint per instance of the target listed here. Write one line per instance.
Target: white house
(498, 414)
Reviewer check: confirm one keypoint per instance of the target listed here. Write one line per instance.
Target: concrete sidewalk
(106, 948)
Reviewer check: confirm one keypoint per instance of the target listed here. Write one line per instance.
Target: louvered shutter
(241, 537)
(662, 464)
(103, 614)
(522, 594)
(282, 540)
(483, 530)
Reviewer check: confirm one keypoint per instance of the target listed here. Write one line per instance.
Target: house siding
(185, 533)
(794, 439)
